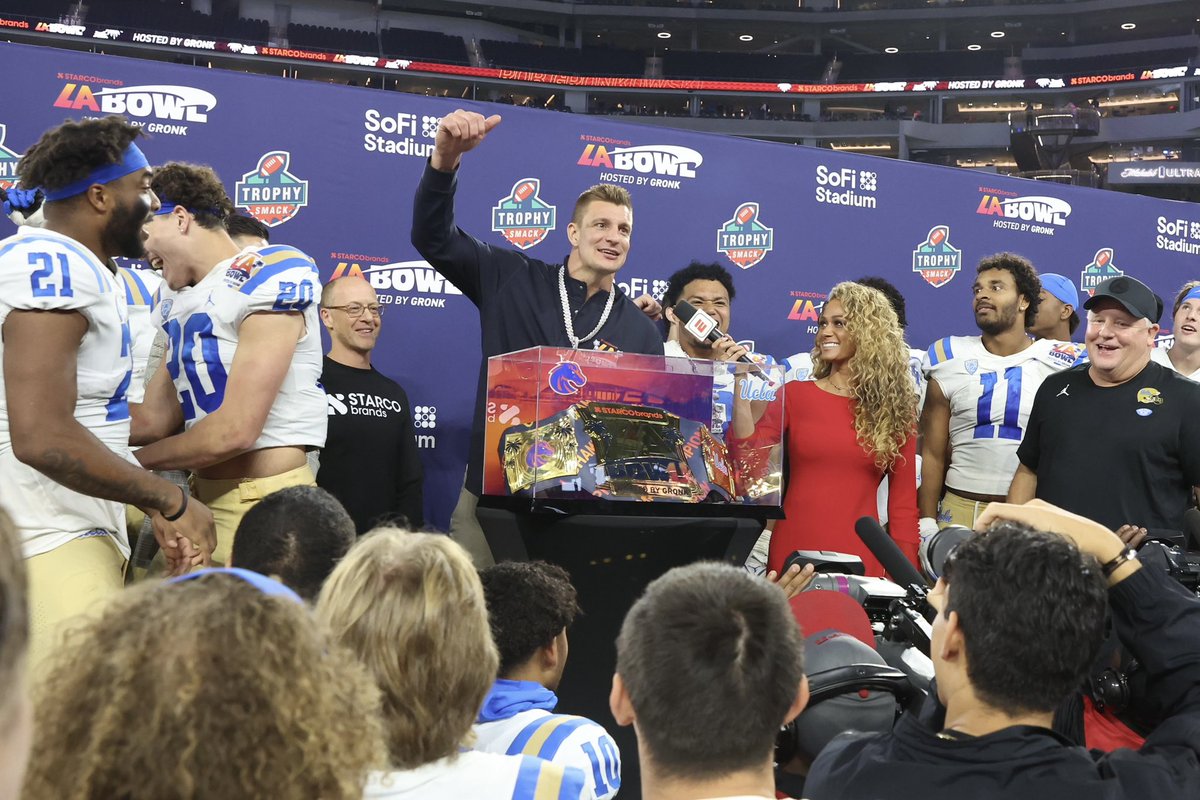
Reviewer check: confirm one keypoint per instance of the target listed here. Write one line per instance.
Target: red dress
(832, 482)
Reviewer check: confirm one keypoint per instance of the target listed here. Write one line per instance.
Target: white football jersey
(566, 740)
(141, 295)
(479, 776)
(202, 325)
(990, 397)
(1159, 355)
(43, 270)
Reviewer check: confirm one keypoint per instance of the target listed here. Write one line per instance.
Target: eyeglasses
(355, 310)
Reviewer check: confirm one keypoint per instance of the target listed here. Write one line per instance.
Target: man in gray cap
(1116, 440)
(1057, 316)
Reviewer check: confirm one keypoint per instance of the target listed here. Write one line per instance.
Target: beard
(122, 235)
(1004, 320)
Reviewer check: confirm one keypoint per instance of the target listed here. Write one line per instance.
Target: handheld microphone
(704, 327)
(890, 556)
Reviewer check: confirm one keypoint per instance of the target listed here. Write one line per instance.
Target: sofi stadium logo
(1041, 215)
(522, 217)
(400, 283)
(269, 192)
(935, 259)
(8, 162)
(1101, 269)
(159, 102)
(744, 239)
(656, 165)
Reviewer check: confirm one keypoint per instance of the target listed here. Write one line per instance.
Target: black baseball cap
(1135, 296)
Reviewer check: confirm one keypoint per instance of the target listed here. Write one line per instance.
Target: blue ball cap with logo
(1133, 295)
(1062, 288)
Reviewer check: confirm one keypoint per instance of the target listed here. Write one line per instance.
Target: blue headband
(169, 205)
(132, 161)
(264, 584)
(1194, 294)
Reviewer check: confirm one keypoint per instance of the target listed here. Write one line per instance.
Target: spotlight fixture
(1128, 26)
(891, 49)
(664, 34)
(997, 34)
(745, 37)
(974, 47)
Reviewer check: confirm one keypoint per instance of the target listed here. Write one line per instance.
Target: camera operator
(1020, 616)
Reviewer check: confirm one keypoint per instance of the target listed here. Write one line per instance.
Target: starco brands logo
(1035, 214)
(269, 192)
(847, 187)
(935, 259)
(522, 217)
(1101, 269)
(166, 104)
(399, 133)
(655, 165)
(8, 162)
(401, 283)
(744, 239)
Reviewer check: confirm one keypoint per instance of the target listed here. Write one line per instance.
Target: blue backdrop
(334, 168)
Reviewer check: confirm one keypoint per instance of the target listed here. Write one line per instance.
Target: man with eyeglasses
(1116, 440)
(370, 461)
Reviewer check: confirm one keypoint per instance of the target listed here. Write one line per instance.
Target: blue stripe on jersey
(518, 744)
(136, 292)
(940, 351)
(276, 261)
(88, 257)
(572, 784)
(527, 779)
(558, 735)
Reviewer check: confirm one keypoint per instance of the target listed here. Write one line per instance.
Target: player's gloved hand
(926, 527)
(23, 206)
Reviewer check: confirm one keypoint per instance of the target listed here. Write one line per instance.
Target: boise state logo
(270, 193)
(523, 218)
(1101, 269)
(539, 455)
(566, 377)
(744, 239)
(936, 259)
(8, 162)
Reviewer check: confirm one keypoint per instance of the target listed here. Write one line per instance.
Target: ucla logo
(270, 193)
(8, 162)
(1101, 269)
(936, 259)
(744, 239)
(566, 377)
(971, 365)
(165, 308)
(523, 218)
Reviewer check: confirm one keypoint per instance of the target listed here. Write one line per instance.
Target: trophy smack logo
(744, 239)
(523, 218)
(936, 259)
(8, 162)
(1101, 269)
(270, 193)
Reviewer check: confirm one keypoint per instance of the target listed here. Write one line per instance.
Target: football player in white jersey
(65, 467)
(1183, 355)
(980, 390)
(243, 368)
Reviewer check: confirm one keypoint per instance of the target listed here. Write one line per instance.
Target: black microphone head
(684, 310)
(889, 554)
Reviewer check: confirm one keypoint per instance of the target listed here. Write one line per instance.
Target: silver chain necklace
(566, 309)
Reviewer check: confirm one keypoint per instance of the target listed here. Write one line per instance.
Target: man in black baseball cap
(1135, 422)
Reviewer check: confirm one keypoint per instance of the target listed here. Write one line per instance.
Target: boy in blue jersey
(242, 372)
(530, 607)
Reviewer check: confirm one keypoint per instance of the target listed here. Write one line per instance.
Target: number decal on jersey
(294, 296)
(41, 289)
(117, 406)
(604, 766)
(183, 352)
(1007, 427)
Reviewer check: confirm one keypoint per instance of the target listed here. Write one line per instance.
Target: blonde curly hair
(885, 408)
(205, 689)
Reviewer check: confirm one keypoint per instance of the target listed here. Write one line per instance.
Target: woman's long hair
(885, 408)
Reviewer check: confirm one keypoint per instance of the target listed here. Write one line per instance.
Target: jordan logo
(1063, 393)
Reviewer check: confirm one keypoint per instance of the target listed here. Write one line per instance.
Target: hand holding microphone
(704, 328)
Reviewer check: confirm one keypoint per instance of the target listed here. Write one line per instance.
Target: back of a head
(411, 607)
(529, 603)
(297, 534)
(14, 643)
(73, 150)
(208, 688)
(712, 662)
(1031, 609)
(242, 228)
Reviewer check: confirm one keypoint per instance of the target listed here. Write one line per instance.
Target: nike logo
(1063, 393)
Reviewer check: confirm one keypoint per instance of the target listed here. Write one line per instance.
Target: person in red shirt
(844, 432)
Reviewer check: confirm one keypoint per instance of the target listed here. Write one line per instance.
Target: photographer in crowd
(1020, 615)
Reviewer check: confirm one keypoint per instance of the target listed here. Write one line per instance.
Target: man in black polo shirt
(524, 302)
(1118, 439)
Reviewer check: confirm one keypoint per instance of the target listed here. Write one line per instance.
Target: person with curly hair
(530, 605)
(220, 686)
(65, 344)
(16, 710)
(249, 400)
(411, 606)
(980, 391)
(845, 431)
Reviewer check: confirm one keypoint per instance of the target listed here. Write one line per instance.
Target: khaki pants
(229, 500)
(465, 530)
(69, 581)
(958, 510)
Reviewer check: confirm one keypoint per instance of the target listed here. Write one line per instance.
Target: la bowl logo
(8, 162)
(744, 239)
(1101, 269)
(522, 217)
(270, 193)
(667, 160)
(566, 377)
(161, 102)
(935, 259)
